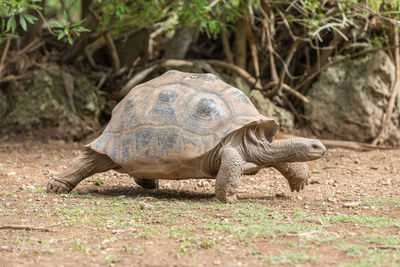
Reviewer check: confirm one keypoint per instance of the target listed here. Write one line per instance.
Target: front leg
(229, 174)
(296, 173)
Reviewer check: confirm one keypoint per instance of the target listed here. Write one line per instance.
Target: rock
(237, 82)
(40, 103)
(269, 109)
(349, 100)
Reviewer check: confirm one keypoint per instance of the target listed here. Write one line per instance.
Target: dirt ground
(348, 215)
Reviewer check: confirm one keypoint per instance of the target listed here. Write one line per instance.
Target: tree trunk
(35, 30)
(85, 4)
(240, 46)
(178, 46)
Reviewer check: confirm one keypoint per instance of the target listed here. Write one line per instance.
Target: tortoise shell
(173, 119)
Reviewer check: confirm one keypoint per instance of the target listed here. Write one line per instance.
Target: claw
(55, 186)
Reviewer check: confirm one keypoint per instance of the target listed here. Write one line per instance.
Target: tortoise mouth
(317, 154)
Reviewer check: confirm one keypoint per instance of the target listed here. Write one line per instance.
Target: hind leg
(146, 183)
(86, 164)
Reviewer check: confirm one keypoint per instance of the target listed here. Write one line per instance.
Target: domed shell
(175, 118)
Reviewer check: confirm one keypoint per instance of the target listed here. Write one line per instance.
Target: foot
(55, 186)
(297, 184)
(227, 198)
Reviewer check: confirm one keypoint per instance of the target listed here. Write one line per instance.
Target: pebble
(351, 204)
(145, 206)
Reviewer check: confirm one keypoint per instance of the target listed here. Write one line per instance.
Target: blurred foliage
(67, 30)
(13, 13)
(207, 16)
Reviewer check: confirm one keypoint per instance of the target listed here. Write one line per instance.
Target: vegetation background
(276, 47)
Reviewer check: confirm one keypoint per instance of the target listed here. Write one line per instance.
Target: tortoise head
(262, 150)
(305, 149)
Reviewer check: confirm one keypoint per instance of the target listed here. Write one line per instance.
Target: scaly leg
(228, 176)
(86, 164)
(296, 173)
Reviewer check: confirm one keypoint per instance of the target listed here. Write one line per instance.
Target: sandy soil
(349, 214)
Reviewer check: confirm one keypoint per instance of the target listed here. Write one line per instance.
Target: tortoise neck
(263, 152)
(267, 153)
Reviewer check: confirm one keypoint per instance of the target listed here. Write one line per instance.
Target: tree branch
(113, 52)
(381, 136)
(253, 50)
(3, 56)
(226, 46)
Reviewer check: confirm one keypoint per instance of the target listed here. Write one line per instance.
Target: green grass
(200, 225)
(365, 221)
(387, 201)
(369, 256)
(380, 240)
(359, 220)
(289, 257)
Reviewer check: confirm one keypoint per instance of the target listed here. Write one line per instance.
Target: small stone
(299, 197)
(145, 206)
(351, 204)
(11, 173)
(387, 182)
(356, 161)
(5, 248)
(331, 199)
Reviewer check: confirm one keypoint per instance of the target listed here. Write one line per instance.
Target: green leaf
(80, 29)
(57, 24)
(70, 40)
(22, 21)
(78, 23)
(11, 24)
(61, 35)
(66, 16)
(31, 19)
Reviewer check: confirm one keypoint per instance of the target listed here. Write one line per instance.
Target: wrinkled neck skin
(254, 147)
(260, 151)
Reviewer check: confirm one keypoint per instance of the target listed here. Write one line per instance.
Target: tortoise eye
(314, 146)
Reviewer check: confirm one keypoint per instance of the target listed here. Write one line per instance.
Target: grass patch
(391, 201)
(381, 240)
(191, 246)
(366, 221)
(369, 256)
(289, 257)
(360, 220)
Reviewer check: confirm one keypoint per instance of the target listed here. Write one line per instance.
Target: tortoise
(185, 125)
